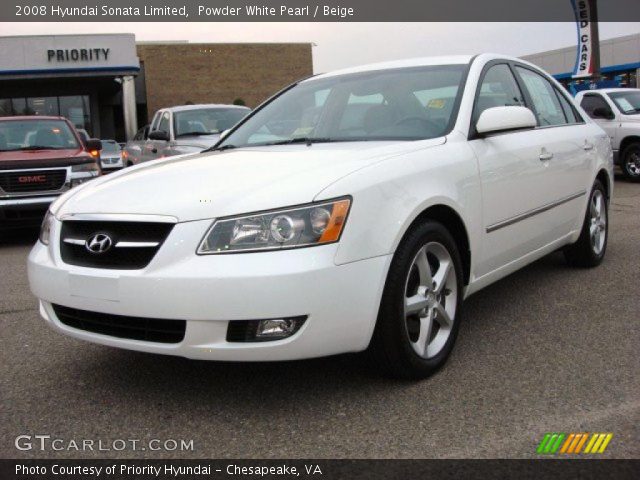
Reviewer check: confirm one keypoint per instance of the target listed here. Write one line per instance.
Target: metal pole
(595, 40)
(129, 107)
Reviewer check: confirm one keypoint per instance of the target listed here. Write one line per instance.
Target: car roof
(422, 62)
(32, 117)
(607, 90)
(182, 108)
(408, 62)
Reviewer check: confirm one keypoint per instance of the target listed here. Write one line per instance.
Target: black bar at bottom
(326, 469)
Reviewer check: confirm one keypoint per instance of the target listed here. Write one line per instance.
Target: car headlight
(45, 228)
(91, 167)
(304, 226)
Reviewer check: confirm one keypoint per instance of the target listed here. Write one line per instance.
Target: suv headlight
(91, 167)
(45, 228)
(305, 226)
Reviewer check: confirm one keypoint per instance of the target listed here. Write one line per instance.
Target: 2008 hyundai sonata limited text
(354, 210)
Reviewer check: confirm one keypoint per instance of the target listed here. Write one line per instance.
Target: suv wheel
(419, 314)
(631, 162)
(589, 250)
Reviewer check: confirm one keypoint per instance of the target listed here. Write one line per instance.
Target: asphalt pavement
(548, 349)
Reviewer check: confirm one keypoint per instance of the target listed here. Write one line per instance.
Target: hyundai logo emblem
(99, 243)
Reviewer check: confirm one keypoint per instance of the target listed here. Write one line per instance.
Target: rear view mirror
(503, 119)
(93, 144)
(159, 135)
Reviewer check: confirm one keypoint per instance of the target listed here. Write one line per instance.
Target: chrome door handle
(587, 146)
(544, 155)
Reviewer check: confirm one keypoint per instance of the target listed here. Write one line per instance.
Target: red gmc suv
(40, 158)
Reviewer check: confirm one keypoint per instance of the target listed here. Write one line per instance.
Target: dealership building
(110, 85)
(619, 63)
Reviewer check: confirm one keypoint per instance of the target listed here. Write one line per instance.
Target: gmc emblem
(32, 179)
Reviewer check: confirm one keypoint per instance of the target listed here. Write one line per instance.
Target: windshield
(400, 104)
(36, 135)
(627, 102)
(207, 121)
(110, 147)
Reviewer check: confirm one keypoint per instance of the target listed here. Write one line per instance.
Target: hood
(42, 158)
(198, 141)
(217, 184)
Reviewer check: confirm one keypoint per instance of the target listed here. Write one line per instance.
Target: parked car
(110, 155)
(183, 129)
(617, 111)
(132, 150)
(318, 226)
(40, 158)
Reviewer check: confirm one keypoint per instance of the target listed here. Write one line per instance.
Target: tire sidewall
(597, 258)
(625, 161)
(392, 309)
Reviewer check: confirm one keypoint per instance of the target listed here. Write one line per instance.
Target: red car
(40, 158)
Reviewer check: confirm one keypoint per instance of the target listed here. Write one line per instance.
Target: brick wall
(220, 73)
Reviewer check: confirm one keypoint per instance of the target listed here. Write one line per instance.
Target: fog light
(263, 330)
(276, 328)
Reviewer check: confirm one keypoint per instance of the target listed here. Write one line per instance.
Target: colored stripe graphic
(582, 442)
(550, 443)
(572, 443)
(543, 443)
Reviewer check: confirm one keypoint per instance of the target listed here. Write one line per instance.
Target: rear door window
(546, 104)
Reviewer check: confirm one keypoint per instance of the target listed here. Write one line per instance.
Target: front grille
(133, 328)
(118, 256)
(32, 181)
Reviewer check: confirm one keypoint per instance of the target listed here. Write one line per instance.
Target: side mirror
(603, 112)
(504, 119)
(93, 144)
(159, 135)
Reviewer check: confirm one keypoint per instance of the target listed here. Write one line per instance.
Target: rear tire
(419, 315)
(630, 163)
(590, 248)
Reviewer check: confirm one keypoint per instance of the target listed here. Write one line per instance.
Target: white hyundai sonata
(353, 210)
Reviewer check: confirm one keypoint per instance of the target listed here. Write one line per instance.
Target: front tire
(630, 163)
(419, 314)
(590, 248)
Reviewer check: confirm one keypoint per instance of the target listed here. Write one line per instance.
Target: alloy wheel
(633, 163)
(598, 222)
(430, 299)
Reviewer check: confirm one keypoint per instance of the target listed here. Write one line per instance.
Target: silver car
(110, 155)
(183, 129)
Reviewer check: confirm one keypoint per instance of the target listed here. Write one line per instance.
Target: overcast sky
(346, 44)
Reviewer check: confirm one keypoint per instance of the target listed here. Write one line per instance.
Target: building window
(43, 106)
(74, 107)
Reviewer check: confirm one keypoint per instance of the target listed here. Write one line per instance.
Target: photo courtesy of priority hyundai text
(328, 239)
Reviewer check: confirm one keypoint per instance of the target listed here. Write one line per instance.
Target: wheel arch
(605, 179)
(453, 222)
(626, 141)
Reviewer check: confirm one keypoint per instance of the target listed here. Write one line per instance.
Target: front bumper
(23, 212)
(109, 164)
(208, 291)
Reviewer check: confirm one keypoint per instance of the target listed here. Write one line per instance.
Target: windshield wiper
(39, 147)
(306, 140)
(219, 149)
